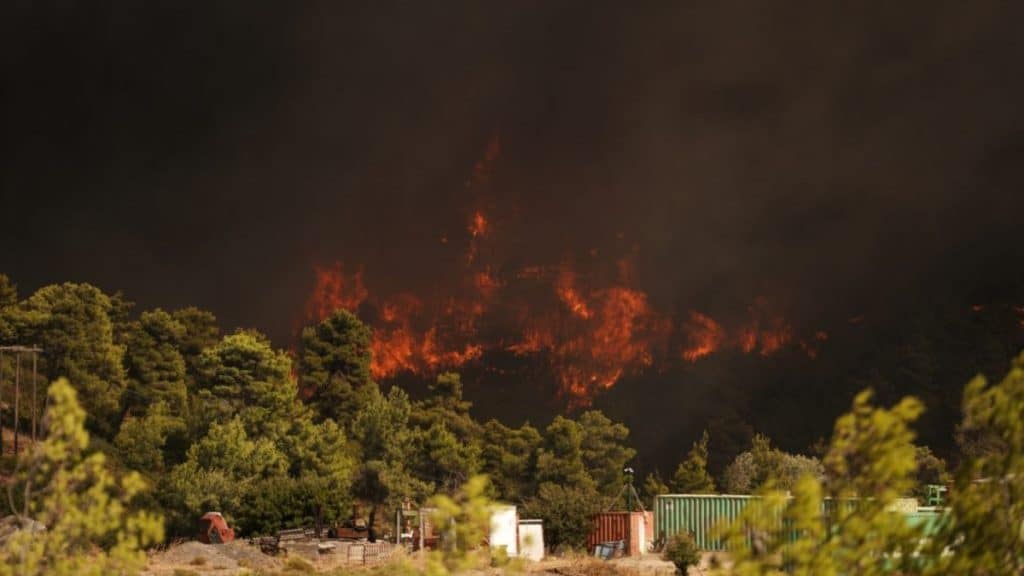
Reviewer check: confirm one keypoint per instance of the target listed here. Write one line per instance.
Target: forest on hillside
(160, 416)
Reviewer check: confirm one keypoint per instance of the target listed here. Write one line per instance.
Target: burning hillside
(590, 323)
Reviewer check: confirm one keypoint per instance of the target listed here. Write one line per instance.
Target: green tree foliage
(142, 442)
(692, 476)
(263, 461)
(752, 469)
(566, 495)
(869, 464)
(442, 459)
(604, 451)
(243, 376)
(986, 507)
(381, 432)
(335, 366)
(8, 302)
(567, 510)
(446, 406)
(282, 502)
(682, 552)
(930, 470)
(156, 369)
(71, 322)
(321, 467)
(8, 292)
(200, 332)
(560, 458)
(220, 471)
(218, 424)
(509, 458)
(446, 439)
(90, 528)
(653, 486)
(120, 315)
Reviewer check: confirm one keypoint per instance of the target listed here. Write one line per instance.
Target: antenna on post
(630, 492)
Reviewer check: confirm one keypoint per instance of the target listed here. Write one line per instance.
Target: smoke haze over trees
(856, 168)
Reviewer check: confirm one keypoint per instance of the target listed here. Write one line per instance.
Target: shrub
(566, 511)
(682, 551)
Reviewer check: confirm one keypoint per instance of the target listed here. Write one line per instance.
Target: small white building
(531, 540)
(504, 529)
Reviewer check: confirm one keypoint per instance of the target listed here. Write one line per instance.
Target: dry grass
(298, 565)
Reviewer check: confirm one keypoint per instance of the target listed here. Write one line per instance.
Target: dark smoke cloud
(839, 161)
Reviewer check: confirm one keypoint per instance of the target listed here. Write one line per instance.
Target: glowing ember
(486, 283)
(478, 225)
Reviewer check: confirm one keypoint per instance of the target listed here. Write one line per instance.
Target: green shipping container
(699, 514)
(704, 515)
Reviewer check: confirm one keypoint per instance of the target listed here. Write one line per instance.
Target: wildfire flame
(567, 292)
(332, 291)
(704, 336)
(591, 333)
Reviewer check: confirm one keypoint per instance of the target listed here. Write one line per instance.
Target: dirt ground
(230, 558)
(197, 559)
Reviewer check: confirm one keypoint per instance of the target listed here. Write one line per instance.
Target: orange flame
(765, 333)
(613, 336)
(704, 336)
(592, 334)
(478, 225)
(567, 292)
(332, 291)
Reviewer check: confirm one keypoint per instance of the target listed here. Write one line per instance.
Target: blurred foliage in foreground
(74, 513)
(848, 524)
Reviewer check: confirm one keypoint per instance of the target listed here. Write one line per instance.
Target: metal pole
(1, 402)
(35, 356)
(17, 396)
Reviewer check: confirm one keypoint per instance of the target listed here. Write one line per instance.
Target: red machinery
(213, 529)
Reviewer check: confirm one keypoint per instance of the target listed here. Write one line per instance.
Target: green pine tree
(692, 476)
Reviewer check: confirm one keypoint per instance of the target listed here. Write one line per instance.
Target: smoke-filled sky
(838, 161)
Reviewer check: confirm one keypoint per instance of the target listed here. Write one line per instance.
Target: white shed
(504, 529)
(531, 540)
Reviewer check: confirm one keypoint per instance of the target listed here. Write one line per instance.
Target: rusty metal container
(634, 529)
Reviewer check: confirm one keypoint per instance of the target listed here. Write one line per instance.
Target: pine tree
(692, 476)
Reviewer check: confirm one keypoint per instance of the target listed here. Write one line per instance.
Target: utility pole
(35, 380)
(1, 401)
(17, 398)
(17, 351)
